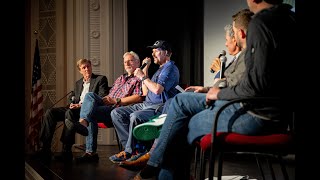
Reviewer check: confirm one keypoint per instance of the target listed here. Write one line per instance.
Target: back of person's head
(133, 54)
(242, 18)
(83, 61)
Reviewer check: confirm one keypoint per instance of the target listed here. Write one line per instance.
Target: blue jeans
(93, 110)
(125, 118)
(191, 107)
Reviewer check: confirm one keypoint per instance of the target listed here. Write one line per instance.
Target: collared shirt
(125, 86)
(86, 85)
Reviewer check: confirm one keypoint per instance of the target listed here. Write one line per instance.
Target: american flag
(36, 111)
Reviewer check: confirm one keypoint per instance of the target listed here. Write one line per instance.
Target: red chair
(218, 143)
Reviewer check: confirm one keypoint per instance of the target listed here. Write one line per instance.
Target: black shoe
(79, 128)
(149, 172)
(64, 156)
(88, 158)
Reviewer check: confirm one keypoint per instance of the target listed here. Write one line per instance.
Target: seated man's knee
(115, 114)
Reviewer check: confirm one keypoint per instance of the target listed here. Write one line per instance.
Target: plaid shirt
(125, 86)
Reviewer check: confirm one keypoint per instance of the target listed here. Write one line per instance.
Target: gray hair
(135, 55)
(228, 28)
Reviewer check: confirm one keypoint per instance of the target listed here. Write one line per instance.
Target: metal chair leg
(220, 164)
(283, 168)
(260, 167)
(271, 169)
(202, 165)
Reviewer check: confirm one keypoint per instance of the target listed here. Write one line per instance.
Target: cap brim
(152, 47)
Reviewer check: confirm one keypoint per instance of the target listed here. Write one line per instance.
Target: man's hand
(212, 95)
(198, 89)
(216, 64)
(108, 100)
(74, 106)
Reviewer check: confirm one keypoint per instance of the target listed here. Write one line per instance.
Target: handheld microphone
(223, 60)
(143, 65)
(223, 53)
(73, 100)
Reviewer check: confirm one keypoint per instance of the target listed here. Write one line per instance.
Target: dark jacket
(98, 85)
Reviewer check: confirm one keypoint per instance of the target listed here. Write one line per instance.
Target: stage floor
(240, 165)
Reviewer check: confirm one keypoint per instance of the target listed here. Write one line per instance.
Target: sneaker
(88, 158)
(135, 157)
(79, 128)
(121, 156)
(136, 164)
(149, 130)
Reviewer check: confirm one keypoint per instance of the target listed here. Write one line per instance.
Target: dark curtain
(181, 24)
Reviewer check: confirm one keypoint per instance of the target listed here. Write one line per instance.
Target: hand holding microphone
(145, 62)
(223, 60)
(215, 66)
(138, 72)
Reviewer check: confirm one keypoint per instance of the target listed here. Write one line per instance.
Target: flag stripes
(36, 111)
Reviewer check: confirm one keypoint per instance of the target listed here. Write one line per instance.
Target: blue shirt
(167, 76)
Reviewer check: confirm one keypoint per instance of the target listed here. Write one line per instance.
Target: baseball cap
(164, 45)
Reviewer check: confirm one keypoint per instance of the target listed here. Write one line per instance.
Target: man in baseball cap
(164, 45)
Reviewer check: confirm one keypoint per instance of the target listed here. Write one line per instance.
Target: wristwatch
(118, 100)
(143, 78)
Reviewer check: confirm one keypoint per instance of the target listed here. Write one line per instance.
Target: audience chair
(215, 144)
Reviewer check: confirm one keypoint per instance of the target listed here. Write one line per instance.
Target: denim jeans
(125, 118)
(181, 109)
(93, 110)
(190, 108)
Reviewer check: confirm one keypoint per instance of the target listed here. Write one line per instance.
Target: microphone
(223, 53)
(62, 98)
(73, 100)
(223, 60)
(143, 65)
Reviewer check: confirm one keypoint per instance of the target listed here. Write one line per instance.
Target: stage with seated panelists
(104, 169)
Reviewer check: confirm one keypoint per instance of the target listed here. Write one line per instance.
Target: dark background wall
(181, 24)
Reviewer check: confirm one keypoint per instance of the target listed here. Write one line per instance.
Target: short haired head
(82, 61)
(229, 30)
(163, 45)
(133, 54)
(242, 18)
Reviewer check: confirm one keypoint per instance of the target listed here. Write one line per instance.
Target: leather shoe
(64, 156)
(136, 164)
(79, 128)
(88, 158)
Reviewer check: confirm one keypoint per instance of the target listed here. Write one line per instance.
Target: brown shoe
(136, 164)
